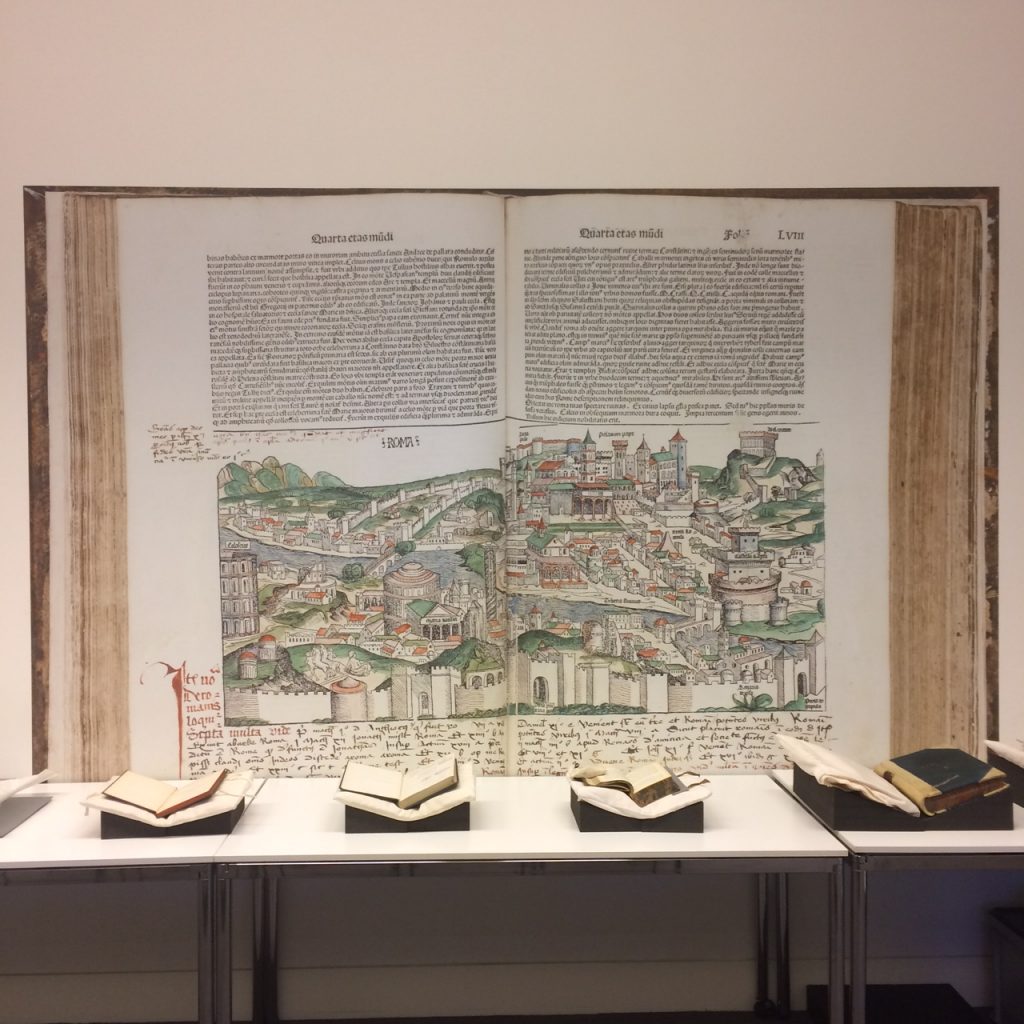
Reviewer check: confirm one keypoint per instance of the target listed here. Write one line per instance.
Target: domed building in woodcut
(408, 582)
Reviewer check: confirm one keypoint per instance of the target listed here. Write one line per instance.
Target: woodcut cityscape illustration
(579, 577)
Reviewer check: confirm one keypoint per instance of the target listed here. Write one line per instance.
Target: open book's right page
(696, 477)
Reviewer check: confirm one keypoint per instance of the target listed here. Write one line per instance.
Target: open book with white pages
(168, 805)
(528, 480)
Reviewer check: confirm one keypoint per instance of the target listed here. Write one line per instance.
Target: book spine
(944, 801)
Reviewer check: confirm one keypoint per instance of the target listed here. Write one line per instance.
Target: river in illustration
(443, 561)
(448, 564)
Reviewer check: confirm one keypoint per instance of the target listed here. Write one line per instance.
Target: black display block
(18, 809)
(455, 819)
(113, 826)
(1014, 775)
(902, 1004)
(596, 819)
(852, 812)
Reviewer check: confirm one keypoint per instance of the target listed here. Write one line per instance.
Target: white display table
(64, 834)
(1001, 850)
(61, 843)
(295, 828)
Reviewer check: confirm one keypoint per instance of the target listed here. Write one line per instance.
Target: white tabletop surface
(63, 835)
(942, 841)
(747, 816)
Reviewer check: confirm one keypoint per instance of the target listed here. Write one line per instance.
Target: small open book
(642, 783)
(405, 787)
(162, 798)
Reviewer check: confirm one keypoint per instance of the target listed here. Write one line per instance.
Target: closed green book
(938, 778)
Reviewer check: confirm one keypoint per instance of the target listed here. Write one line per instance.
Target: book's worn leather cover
(1014, 775)
(596, 819)
(940, 778)
(853, 812)
(113, 826)
(455, 819)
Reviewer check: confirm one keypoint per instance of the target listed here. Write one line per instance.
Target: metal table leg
(264, 957)
(761, 1001)
(858, 938)
(782, 995)
(206, 951)
(836, 952)
(222, 945)
(772, 938)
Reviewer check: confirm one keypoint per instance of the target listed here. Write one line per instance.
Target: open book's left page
(313, 402)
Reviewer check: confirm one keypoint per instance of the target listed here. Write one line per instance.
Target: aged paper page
(313, 424)
(699, 393)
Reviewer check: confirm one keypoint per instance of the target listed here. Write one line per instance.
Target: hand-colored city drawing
(343, 604)
(577, 579)
(641, 583)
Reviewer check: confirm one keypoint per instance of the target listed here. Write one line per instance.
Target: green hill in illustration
(322, 479)
(729, 481)
(377, 662)
(471, 655)
(533, 640)
(253, 478)
(249, 479)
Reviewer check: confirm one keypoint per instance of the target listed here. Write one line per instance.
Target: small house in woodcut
(553, 561)
(266, 648)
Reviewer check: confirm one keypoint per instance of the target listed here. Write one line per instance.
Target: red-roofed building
(550, 468)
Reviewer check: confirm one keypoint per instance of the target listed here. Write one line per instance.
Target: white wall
(523, 93)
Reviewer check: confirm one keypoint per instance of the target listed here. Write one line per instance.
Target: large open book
(642, 783)
(406, 788)
(533, 479)
(162, 798)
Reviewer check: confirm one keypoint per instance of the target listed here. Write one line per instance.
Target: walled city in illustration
(581, 577)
